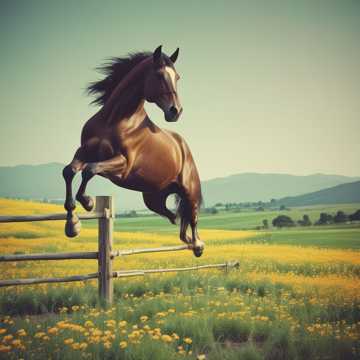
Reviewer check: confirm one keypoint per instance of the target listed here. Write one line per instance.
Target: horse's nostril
(173, 111)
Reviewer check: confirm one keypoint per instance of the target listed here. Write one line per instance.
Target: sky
(266, 86)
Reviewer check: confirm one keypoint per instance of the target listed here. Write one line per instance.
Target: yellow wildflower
(107, 344)
(123, 344)
(53, 330)
(144, 318)
(187, 341)
(68, 341)
(4, 348)
(21, 332)
(16, 342)
(7, 338)
(2, 331)
(166, 338)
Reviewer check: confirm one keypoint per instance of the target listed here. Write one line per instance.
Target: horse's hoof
(72, 226)
(198, 249)
(87, 202)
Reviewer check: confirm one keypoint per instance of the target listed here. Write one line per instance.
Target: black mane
(115, 70)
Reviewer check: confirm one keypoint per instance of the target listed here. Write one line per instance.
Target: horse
(122, 144)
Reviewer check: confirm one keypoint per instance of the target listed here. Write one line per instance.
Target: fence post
(105, 205)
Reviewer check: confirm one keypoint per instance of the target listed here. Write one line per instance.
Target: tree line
(324, 219)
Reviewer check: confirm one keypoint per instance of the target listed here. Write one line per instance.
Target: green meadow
(296, 294)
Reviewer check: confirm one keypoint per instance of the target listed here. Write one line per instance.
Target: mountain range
(45, 181)
(340, 194)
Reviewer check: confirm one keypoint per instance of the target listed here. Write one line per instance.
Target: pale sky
(270, 86)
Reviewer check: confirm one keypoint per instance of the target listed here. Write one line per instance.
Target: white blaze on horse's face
(172, 75)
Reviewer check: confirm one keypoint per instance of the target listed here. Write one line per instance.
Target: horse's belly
(138, 182)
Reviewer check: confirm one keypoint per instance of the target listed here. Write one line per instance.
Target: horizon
(213, 178)
(266, 88)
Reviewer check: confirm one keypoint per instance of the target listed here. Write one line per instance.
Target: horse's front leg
(117, 165)
(72, 226)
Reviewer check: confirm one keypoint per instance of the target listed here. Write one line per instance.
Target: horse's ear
(174, 56)
(157, 55)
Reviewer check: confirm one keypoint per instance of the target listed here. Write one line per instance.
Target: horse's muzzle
(173, 114)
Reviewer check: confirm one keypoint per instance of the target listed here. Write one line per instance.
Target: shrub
(283, 221)
(340, 217)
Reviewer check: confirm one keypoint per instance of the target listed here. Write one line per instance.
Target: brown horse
(122, 144)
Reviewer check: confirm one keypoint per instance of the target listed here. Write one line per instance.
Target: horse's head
(160, 84)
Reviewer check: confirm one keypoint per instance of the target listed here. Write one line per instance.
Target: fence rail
(52, 217)
(104, 212)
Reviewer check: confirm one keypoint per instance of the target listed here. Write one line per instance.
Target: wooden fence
(104, 212)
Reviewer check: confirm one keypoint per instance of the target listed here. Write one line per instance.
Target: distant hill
(39, 182)
(340, 194)
(45, 182)
(250, 187)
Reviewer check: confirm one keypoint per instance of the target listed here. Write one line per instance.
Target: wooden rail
(126, 273)
(149, 250)
(52, 217)
(104, 212)
(50, 256)
(48, 280)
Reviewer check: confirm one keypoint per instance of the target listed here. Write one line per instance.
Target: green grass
(227, 316)
(244, 336)
(329, 236)
(320, 236)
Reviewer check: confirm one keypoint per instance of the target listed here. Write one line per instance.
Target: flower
(187, 341)
(144, 318)
(68, 341)
(53, 330)
(122, 323)
(166, 338)
(107, 344)
(201, 357)
(21, 332)
(5, 348)
(7, 338)
(123, 344)
(16, 342)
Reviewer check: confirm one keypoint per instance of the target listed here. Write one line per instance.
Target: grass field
(295, 296)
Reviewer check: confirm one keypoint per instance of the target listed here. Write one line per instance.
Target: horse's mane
(114, 70)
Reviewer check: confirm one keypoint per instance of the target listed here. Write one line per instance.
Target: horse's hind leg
(198, 245)
(72, 226)
(188, 209)
(156, 202)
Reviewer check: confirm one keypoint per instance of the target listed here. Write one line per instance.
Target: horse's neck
(127, 97)
(133, 121)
